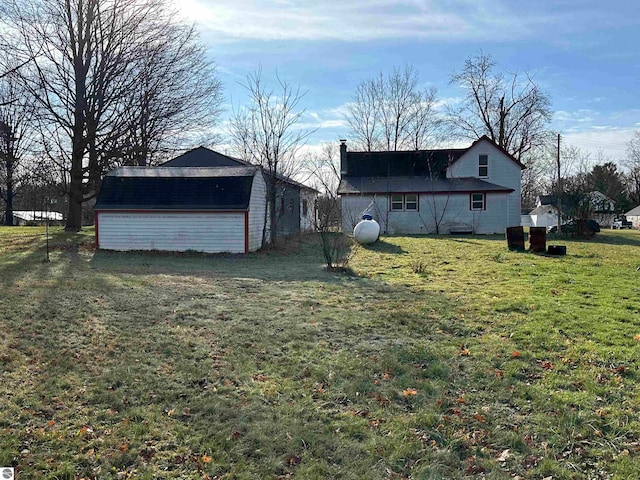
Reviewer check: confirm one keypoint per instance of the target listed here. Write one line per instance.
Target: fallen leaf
(124, 447)
(499, 373)
(504, 456)
(171, 412)
(547, 365)
(206, 459)
(479, 417)
(409, 392)
(111, 347)
(461, 400)
(465, 352)
(637, 337)
(515, 354)
(293, 460)
(51, 423)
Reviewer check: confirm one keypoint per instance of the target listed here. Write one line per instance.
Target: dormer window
(483, 166)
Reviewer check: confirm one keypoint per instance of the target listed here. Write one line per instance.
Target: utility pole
(559, 188)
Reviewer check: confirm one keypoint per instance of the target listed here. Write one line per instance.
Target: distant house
(35, 217)
(474, 189)
(202, 201)
(633, 216)
(546, 212)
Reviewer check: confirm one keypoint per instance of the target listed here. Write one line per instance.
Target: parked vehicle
(621, 222)
(572, 227)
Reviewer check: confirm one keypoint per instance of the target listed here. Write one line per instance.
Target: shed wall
(210, 232)
(257, 206)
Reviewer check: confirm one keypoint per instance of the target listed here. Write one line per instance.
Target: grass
(433, 358)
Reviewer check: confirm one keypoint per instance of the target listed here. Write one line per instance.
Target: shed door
(212, 232)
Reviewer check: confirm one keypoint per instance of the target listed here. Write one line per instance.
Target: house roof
(542, 209)
(37, 215)
(634, 211)
(177, 188)
(350, 185)
(424, 163)
(205, 157)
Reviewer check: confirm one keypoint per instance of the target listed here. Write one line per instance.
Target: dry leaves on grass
(409, 392)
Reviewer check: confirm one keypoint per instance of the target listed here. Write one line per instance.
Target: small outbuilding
(205, 209)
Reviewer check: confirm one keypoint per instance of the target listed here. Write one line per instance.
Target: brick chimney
(343, 157)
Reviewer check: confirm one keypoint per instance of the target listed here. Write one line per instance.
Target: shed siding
(502, 171)
(257, 206)
(211, 232)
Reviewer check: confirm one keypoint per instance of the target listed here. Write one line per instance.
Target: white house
(474, 189)
(546, 212)
(633, 216)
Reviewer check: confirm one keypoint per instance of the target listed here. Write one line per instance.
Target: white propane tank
(367, 230)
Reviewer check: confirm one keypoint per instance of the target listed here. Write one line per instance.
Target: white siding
(257, 206)
(451, 213)
(502, 171)
(354, 206)
(307, 221)
(211, 232)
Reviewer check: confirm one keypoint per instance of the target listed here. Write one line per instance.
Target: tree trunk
(273, 212)
(8, 217)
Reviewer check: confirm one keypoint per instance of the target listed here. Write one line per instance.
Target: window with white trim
(407, 202)
(397, 203)
(411, 202)
(477, 201)
(483, 166)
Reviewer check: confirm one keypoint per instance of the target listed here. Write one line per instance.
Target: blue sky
(584, 53)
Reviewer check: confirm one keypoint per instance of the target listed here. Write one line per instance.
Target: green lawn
(432, 358)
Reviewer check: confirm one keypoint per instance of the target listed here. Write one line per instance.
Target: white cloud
(355, 20)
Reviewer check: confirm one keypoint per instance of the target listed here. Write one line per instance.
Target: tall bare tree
(392, 113)
(265, 133)
(511, 109)
(88, 58)
(323, 169)
(176, 99)
(632, 164)
(16, 140)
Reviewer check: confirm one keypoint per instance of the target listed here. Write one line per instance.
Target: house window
(305, 207)
(408, 202)
(483, 166)
(397, 202)
(477, 201)
(411, 202)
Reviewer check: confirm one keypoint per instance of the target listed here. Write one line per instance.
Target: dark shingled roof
(203, 157)
(422, 163)
(139, 188)
(368, 185)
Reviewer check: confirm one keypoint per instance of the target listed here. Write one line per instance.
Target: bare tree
(16, 140)
(511, 109)
(392, 113)
(323, 169)
(88, 58)
(632, 164)
(176, 99)
(265, 133)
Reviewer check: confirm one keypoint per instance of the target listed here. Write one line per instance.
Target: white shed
(213, 210)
